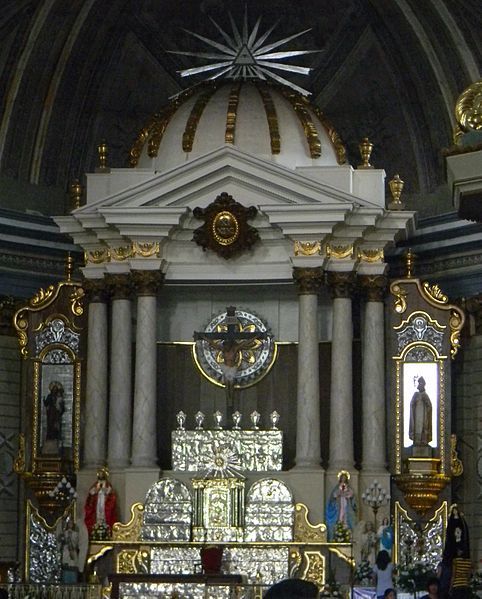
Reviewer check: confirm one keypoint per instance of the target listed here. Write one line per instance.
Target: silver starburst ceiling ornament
(245, 55)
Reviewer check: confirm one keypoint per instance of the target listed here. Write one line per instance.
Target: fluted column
(95, 432)
(373, 373)
(341, 391)
(120, 372)
(144, 431)
(308, 281)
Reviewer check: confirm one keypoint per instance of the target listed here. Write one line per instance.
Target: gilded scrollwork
(456, 322)
(307, 248)
(299, 106)
(332, 134)
(304, 531)
(313, 567)
(19, 465)
(400, 303)
(371, 255)
(435, 293)
(131, 531)
(339, 252)
(456, 465)
(468, 110)
(133, 561)
(272, 118)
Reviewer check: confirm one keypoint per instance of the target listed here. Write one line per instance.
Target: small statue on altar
(68, 538)
(100, 507)
(385, 536)
(369, 543)
(420, 427)
(341, 508)
(456, 565)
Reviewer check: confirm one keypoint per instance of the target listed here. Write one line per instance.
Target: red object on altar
(211, 558)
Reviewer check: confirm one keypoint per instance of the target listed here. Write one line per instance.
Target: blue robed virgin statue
(341, 507)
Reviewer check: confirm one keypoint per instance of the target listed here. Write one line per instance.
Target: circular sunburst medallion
(225, 228)
(254, 358)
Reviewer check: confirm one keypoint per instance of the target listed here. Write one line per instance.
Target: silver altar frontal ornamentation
(255, 450)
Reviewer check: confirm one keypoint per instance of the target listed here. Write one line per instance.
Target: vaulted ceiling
(76, 72)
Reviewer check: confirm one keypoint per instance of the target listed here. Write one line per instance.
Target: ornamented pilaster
(373, 372)
(144, 453)
(341, 392)
(309, 281)
(96, 388)
(120, 287)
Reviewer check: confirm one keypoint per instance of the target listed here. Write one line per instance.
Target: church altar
(263, 534)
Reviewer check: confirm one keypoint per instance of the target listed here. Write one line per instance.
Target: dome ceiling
(78, 72)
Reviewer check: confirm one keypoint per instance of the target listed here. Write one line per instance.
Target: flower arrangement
(363, 573)
(100, 532)
(342, 533)
(414, 577)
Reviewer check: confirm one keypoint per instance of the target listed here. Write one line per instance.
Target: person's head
(383, 559)
(292, 588)
(421, 383)
(389, 594)
(433, 585)
(385, 521)
(343, 477)
(369, 526)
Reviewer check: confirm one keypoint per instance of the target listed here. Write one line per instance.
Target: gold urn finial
(69, 267)
(409, 263)
(102, 150)
(366, 148)
(75, 194)
(396, 188)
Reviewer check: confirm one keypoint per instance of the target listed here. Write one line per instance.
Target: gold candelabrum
(396, 188)
(366, 148)
(375, 496)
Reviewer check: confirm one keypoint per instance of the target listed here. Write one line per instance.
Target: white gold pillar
(341, 390)
(308, 453)
(120, 413)
(144, 431)
(373, 373)
(95, 431)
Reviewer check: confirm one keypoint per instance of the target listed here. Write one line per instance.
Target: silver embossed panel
(167, 512)
(269, 513)
(256, 450)
(264, 565)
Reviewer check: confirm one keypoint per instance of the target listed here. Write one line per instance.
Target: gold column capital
(373, 286)
(95, 290)
(147, 282)
(342, 284)
(308, 280)
(119, 285)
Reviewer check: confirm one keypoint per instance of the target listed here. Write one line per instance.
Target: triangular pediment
(251, 180)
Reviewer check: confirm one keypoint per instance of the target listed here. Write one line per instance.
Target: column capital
(342, 284)
(96, 290)
(308, 280)
(119, 285)
(373, 286)
(147, 282)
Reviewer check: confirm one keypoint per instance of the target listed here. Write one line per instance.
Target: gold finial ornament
(396, 188)
(366, 148)
(409, 263)
(102, 151)
(75, 193)
(468, 110)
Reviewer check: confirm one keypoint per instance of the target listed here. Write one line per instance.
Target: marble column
(341, 390)
(308, 454)
(373, 373)
(144, 431)
(95, 432)
(120, 372)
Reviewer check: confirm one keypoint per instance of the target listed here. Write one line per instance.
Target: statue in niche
(420, 427)
(456, 564)
(341, 509)
(369, 543)
(385, 536)
(54, 405)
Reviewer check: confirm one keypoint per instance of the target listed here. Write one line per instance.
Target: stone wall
(10, 367)
(468, 427)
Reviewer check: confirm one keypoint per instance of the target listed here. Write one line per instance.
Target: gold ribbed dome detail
(153, 132)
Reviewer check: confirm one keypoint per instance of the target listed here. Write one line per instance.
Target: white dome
(264, 120)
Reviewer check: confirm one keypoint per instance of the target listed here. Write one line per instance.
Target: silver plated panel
(167, 512)
(44, 554)
(256, 450)
(265, 565)
(269, 514)
(175, 560)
